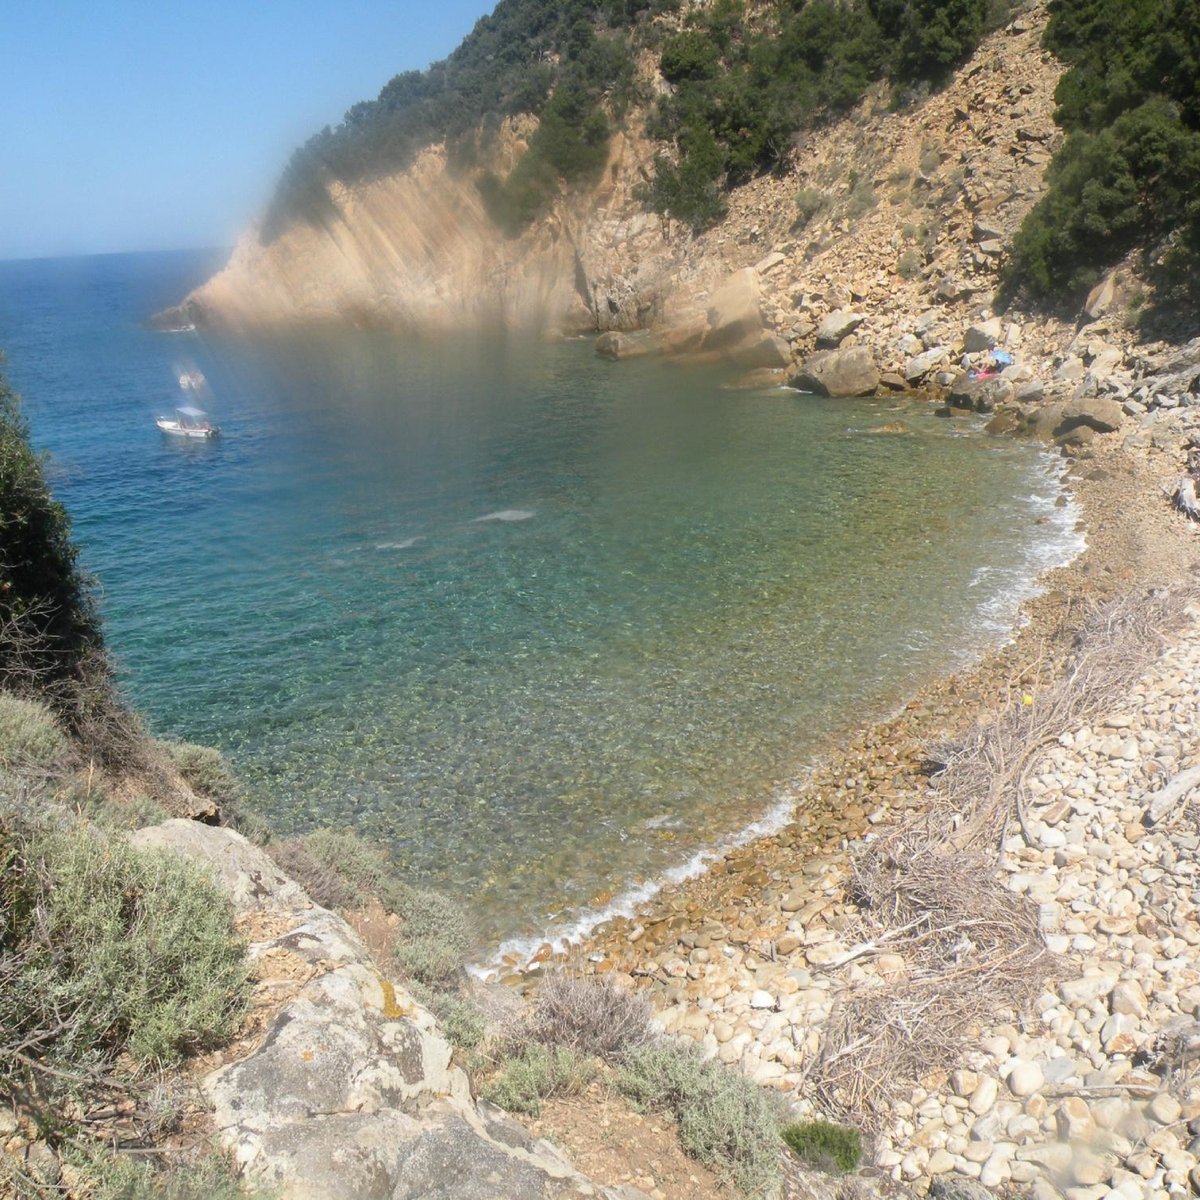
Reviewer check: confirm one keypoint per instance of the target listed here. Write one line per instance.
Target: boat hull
(174, 429)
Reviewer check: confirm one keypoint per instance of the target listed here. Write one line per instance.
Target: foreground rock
(839, 373)
(351, 1094)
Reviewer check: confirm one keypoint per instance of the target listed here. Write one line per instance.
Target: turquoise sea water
(544, 624)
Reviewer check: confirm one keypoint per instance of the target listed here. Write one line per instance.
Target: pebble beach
(1084, 1091)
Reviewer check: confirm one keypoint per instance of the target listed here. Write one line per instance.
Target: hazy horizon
(134, 126)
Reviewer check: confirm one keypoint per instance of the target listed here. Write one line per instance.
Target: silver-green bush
(204, 770)
(341, 869)
(724, 1120)
(112, 1176)
(106, 951)
(461, 1020)
(30, 739)
(535, 1073)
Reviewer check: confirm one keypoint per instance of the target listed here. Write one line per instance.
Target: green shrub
(909, 264)
(724, 1120)
(117, 813)
(461, 1020)
(1108, 192)
(809, 202)
(341, 869)
(106, 950)
(535, 1073)
(836, 1149)
(112, 1176)
(48, 621)
(931, 37)
(1125, 178)
(29, 736)
(862, 199)
(689, 55)
(204, 770)
(429, 957)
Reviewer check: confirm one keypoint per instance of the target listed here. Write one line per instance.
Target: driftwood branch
(1184, 497)
(1163, 803)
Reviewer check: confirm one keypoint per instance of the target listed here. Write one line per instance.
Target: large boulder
(617, 345)
(982, 336)
(1100, 299)
(1096, 412)
(920, 365)
(838, 326)
(734, 312)
(850, 372)
(1061, 418)
(768, 350)
(979, 395)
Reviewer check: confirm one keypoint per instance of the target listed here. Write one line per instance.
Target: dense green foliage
(48, 624)
(745, 77)
(835, 1149)
(1128, 174)
(106, 951)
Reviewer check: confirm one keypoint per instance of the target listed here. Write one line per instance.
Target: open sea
(547, 626)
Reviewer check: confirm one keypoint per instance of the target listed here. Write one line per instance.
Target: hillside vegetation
(725, 89)
(1128, 175)
(744, 79)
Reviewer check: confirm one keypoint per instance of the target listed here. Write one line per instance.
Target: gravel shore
(1085, 1091)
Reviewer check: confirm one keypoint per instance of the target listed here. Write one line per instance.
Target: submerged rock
(616, 345)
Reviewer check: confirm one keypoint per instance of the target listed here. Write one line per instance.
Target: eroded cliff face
(418, 251)
(900, 216)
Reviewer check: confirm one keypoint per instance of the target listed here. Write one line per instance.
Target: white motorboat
(189, 422)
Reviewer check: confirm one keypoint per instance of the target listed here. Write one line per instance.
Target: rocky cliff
(882, 213)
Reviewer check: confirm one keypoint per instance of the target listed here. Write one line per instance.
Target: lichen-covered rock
(352, 1093)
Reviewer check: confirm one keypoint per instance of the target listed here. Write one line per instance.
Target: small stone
(1164, 1109)
(761, 999)
(1025, 1079)
(963, 1083)
(940, 1162)
(1073, 1120)
(1128, 997)
(788, 944)
(1089, 1169)
(984, 1096)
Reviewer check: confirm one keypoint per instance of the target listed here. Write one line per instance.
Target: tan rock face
(952, 178)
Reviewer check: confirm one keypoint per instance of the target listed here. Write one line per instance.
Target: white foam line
(630, 901)
(1062, 551)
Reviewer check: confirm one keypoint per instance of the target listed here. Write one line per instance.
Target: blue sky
(157, 124)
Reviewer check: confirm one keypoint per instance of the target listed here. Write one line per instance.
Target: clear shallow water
(544, 624)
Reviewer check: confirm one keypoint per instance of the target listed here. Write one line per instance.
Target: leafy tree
(1128, 175)
(48, 623)
(931, 36)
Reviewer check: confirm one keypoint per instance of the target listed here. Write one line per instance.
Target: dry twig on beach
(971, 947)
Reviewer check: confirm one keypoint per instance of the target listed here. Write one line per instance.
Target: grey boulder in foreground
(351, 1094)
